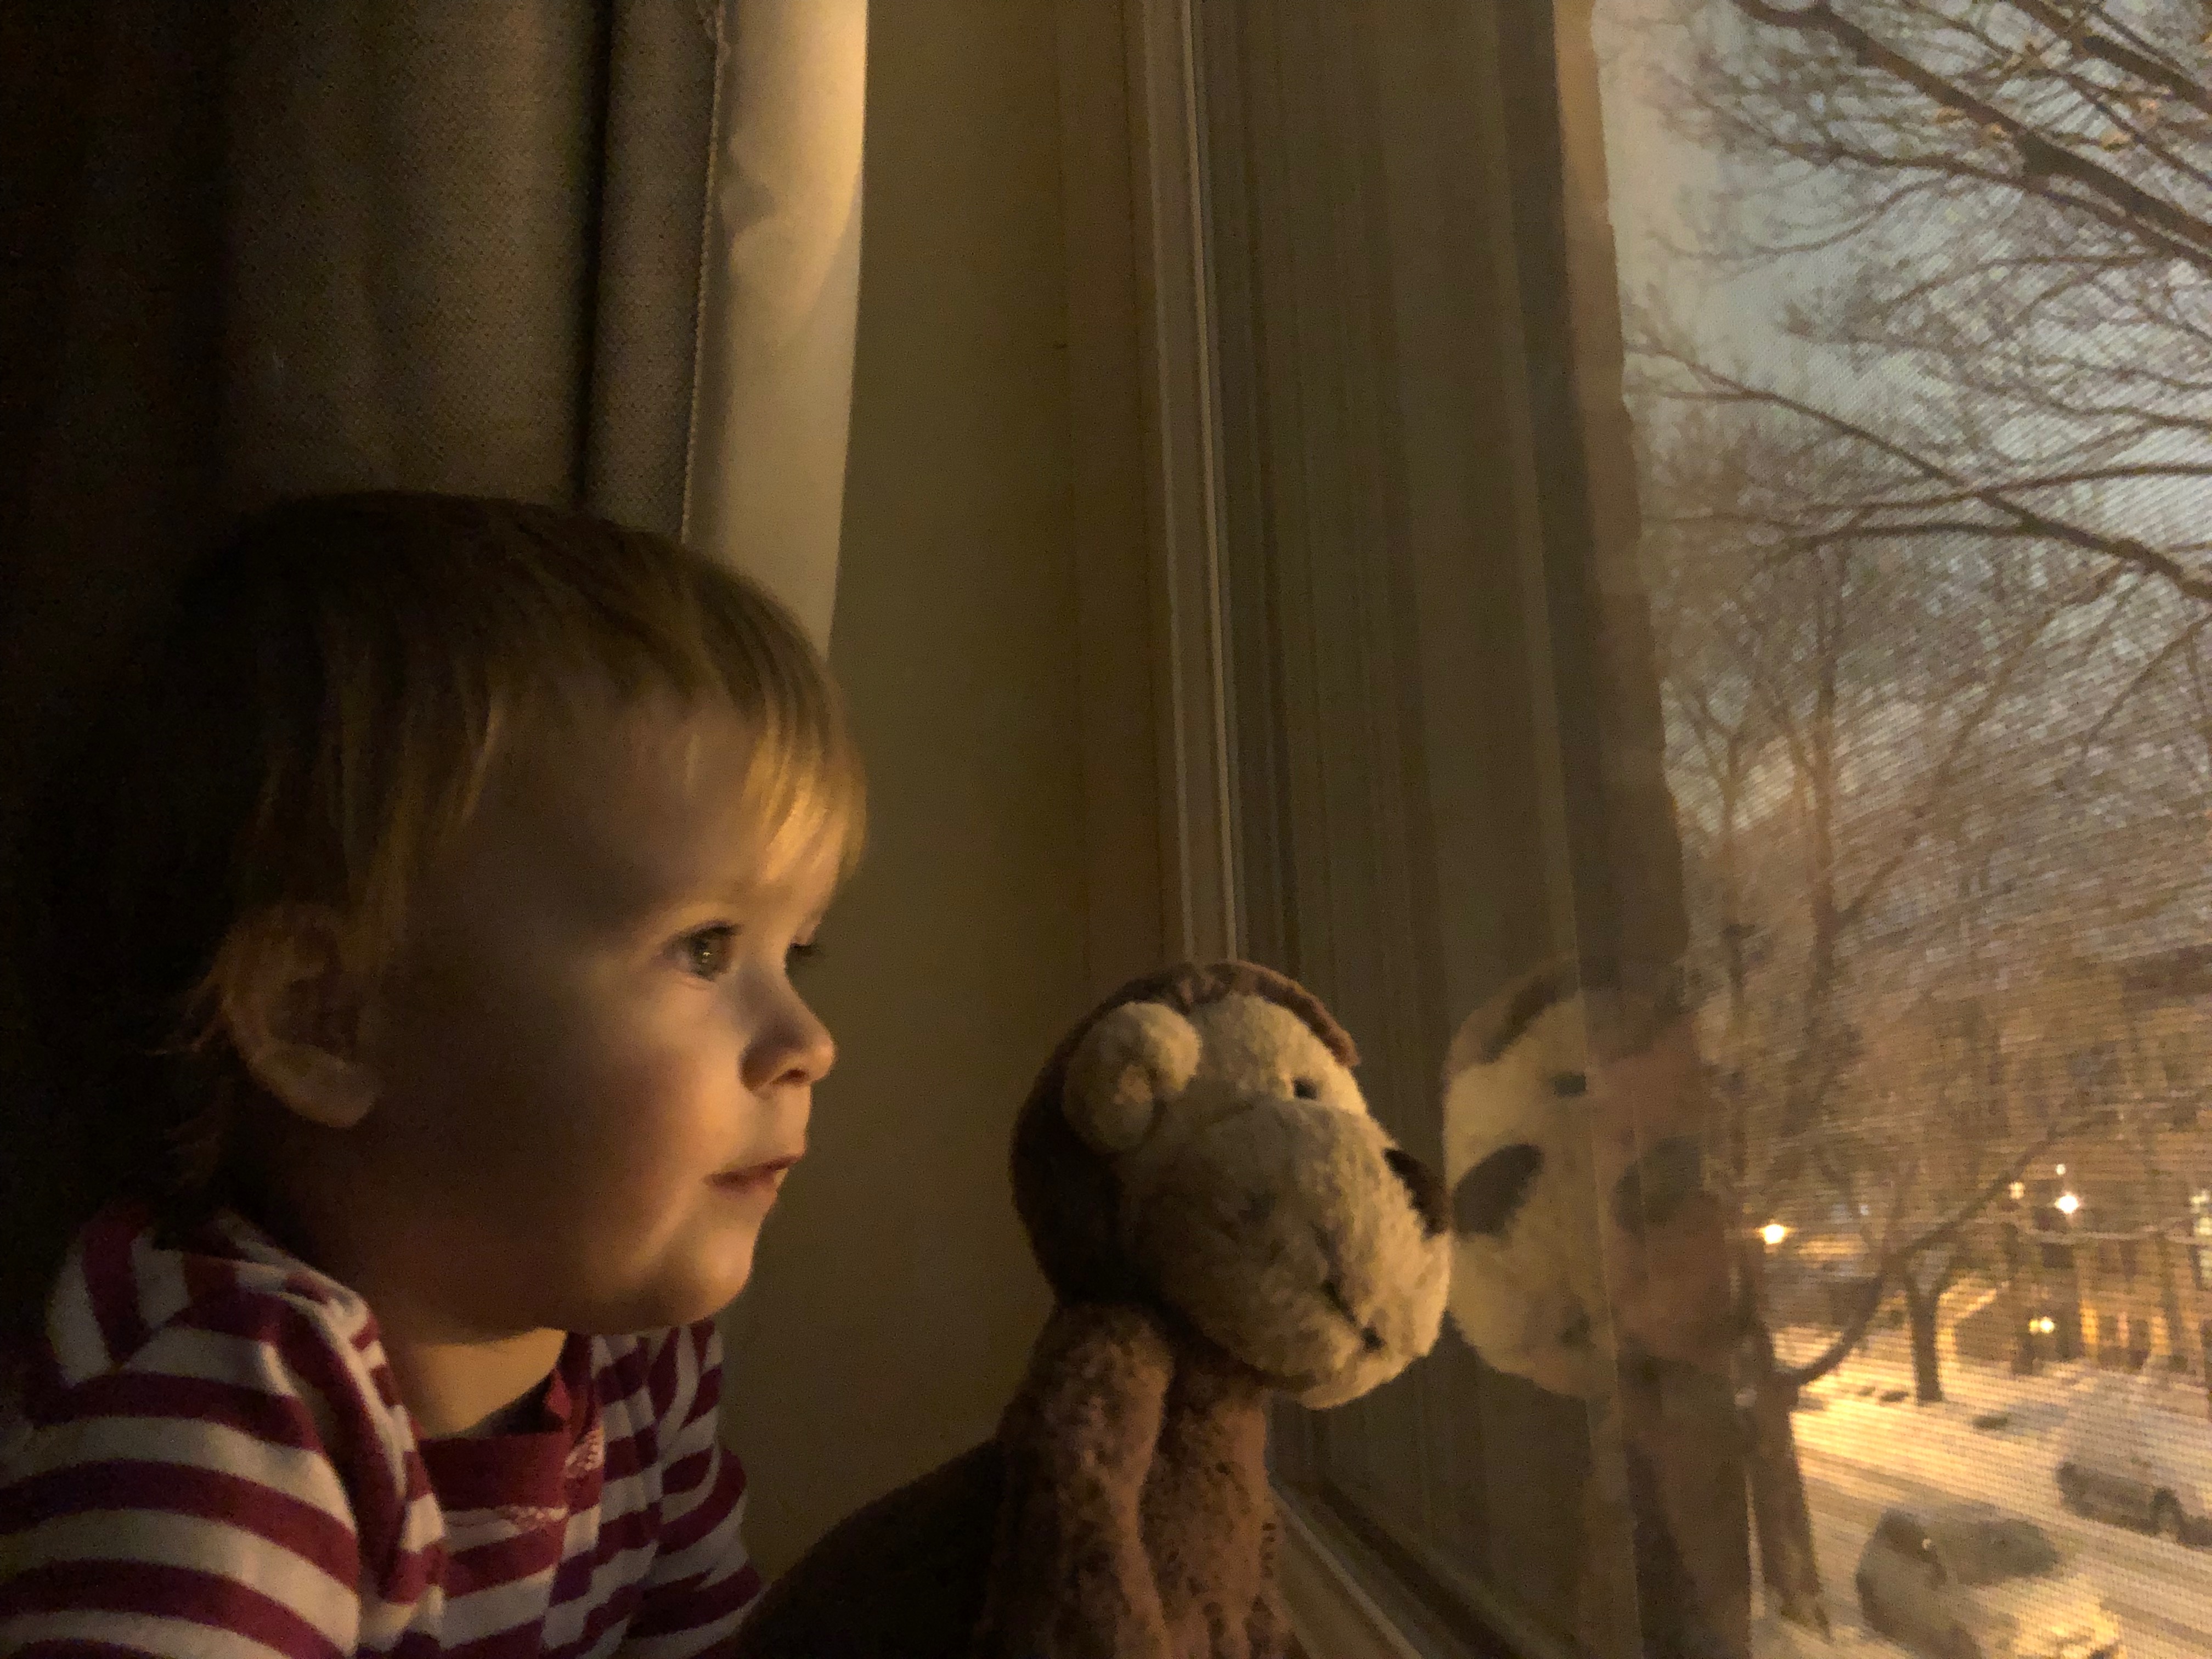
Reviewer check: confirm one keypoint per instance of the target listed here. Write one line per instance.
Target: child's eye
(707, 952)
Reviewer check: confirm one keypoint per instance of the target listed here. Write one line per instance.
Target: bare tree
(1974, 419)
(2005, 208)
(1833, 754)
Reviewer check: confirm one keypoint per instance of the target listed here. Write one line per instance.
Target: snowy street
(2161, 1592)
(1865, 1446)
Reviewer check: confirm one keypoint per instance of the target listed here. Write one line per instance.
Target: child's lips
(764, 1176)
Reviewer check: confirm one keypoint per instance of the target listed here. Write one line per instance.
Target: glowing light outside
(1774, 1232)
(2043, 1327)
(2067, 1204)
(2019, 1189)
(2061, 1168)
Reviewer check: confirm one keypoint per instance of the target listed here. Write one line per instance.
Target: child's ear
(298, 1014)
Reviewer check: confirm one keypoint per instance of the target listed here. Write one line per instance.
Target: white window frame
(1147, 514)
(1146, 503)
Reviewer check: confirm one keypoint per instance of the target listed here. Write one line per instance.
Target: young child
(442, 1061)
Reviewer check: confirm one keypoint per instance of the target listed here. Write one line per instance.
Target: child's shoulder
(138, 1323)
(122, 1288)
(224, 1303)
(216, 1356)
(226, 1284)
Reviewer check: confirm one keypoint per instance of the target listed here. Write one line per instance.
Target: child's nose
(819, 1053)
(799, 1049)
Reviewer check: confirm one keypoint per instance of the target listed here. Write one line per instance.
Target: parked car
(2124, 1458)
(1967, 1581)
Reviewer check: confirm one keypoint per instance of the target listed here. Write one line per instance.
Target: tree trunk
(2022, 1284)
(1920, 1307)
(2169, 1296)
(1780, 1516)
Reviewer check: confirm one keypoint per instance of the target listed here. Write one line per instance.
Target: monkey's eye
(1568, 1084)
(1306, 1089)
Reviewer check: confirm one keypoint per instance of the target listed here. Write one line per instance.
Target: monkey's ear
(1132, 1059)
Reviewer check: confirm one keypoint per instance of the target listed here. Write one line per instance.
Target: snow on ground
(1870, 1396)
(1847, 1500)
(1866, 1446)
(1774, 1637)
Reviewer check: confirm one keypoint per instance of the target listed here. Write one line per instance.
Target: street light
(2067, 1204)
(2043, 1325)
(1773, 1232)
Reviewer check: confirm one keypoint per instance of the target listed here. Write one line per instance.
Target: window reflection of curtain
(603, 256)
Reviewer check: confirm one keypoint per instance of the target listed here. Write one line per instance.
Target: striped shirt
(211, 1459)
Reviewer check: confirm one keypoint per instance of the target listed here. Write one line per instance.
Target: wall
(893, 1299)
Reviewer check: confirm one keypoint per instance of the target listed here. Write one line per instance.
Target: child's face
(590, 1033)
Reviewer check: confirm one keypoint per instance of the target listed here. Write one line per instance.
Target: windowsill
(1348, 1599)
(1332, 1616)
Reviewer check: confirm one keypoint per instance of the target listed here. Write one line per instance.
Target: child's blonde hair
(318, 718)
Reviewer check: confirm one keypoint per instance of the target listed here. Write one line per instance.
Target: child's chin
(698, 1289)
(716, 1282)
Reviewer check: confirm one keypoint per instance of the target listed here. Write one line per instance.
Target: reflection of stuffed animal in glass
(1591, 1256)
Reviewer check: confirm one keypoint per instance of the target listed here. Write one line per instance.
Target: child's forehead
(588, 737)
(697, 753)
(651, 793)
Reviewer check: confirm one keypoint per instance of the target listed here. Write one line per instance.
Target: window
(1708, 533)
(1904, 1535)
(1992, 1551)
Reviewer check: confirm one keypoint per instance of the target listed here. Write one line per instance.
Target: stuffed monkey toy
(1221, 1221)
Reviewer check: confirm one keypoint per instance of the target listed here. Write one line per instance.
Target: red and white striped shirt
(212, 1460)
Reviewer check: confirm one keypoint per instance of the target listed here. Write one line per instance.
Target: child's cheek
(650, 1118)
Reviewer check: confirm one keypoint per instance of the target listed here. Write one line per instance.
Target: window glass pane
(1716, 593)
(1916, 371)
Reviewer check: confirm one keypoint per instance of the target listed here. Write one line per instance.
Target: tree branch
(2160, 658)
(2121, 202)
(1999, 684)
(2167, 78)
(1895, 1260)
(2125, 549)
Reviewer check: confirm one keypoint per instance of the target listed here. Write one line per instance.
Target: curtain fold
(779, 292)
(411, 248)
(653, 196)
(605, 255)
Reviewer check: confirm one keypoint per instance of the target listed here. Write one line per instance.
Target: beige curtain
(514, 248)
(778, 293)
